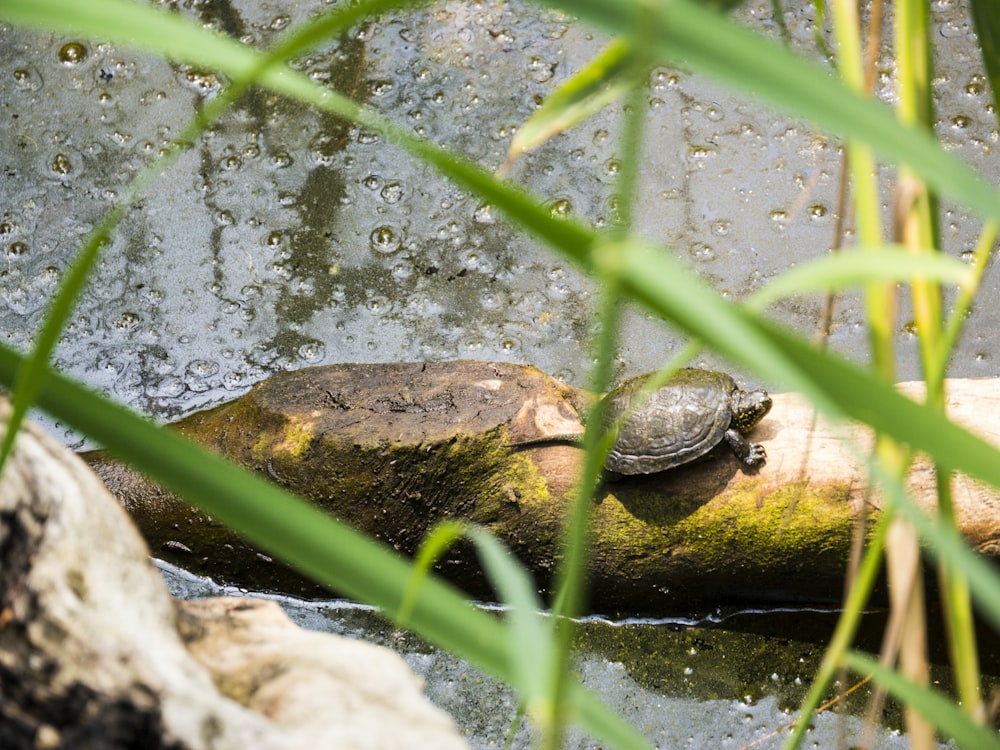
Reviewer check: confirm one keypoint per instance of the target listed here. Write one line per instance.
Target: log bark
(395, 448)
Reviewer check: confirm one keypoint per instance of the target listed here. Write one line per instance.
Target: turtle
(685, 418)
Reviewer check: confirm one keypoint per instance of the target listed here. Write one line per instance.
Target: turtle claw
(756, 456)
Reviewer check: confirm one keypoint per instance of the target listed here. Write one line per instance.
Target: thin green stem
(967, 293)
(843, 634)
(573, 568)
(917, 228)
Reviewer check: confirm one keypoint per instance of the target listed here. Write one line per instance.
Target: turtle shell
(682, 421)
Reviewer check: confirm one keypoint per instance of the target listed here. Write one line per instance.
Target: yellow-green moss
(295, 437)
(501, 477)
(785, 524)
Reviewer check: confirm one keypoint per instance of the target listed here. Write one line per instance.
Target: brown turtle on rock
(680, 422)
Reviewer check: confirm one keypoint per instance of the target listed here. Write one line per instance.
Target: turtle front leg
(751, 455)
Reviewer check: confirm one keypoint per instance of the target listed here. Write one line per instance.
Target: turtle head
(749, 407)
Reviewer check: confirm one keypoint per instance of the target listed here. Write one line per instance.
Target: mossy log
(393, 449)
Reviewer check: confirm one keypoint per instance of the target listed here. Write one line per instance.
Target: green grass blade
(530, 638)
(935, 707)
(433, 546)
(986, 17)
(133, 24)
(598, 83)
(857, 267)
(945, 543)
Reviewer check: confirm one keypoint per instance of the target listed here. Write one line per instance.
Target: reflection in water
(685, 682)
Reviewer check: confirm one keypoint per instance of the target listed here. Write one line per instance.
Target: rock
(94, 653)
(327, 690)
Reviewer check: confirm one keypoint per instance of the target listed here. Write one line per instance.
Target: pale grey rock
(91, 656)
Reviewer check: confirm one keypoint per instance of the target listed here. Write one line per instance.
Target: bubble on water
(722, 227)
(561, 208)
(151, 296)
(312, 351)
(380, 87)
(203, 82)
(372, 181)
(700, 152)
(127, 321)
(540, 71)
(169, 387)
(27, 79)
(61, 164)
(392, 192)
(72, 53)
(323, 148)
(975, 86)
(402, 271)
(484, 214)
(379, 305)
(233, 381)
(384, 240)
(702, 252)
(202, 368)
(954, 29)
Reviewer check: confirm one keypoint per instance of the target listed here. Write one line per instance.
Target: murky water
(286, 238)
(684, 683)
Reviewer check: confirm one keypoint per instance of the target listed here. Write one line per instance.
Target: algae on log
(393, 449)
